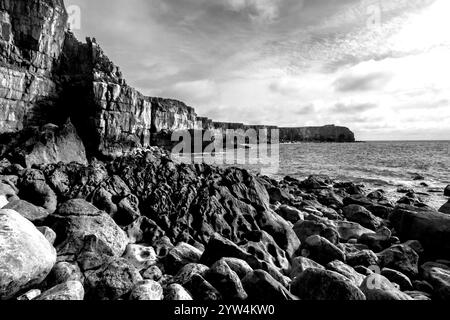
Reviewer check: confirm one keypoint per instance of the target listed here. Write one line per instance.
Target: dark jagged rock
(317, 284)
(46, 145)
(430, 227)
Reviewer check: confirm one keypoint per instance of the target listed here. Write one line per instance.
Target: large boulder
(321, 250)
(181, 255)
(401, 258)
(77, 219)
(226, 281)
(361, 215)
(33, 213)
(26, 257)
(428, 226)
(46, 145)
(317, 284)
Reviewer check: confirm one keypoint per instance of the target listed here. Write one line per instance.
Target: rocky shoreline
(142, 227)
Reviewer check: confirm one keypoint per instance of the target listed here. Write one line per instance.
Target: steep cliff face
(111, 116)
(328, 133)
(31, 38)
(48, 76)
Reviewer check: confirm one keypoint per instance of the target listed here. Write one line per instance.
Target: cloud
(353, 108)
(374, 81)
(258, 10)
(308, 109)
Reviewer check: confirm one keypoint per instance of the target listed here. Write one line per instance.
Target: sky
(379, 67)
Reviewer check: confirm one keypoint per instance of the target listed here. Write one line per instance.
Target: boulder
(361, 215)
(34, 188)
(321, 250)
(176, 292)
(64, 272)
(152, 273)
(226, 281)
(377, 287)
(181, 255)
(112, 281)
(378, 241)
(202, 290)
(365, 258)
(300, 264)
(291, 214)
(429, 227)
(71, 290)
(261, 286)
(347, 271)
(317, 284)
(47, 145)
(401, 258)
(186, 273)
(439, 277)
(239, 266)
(397, 277)
(351, 230)
(148, 290)
(26, 257)
(77, 219)
(33, 213)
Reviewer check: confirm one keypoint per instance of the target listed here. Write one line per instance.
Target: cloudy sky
(380, 67)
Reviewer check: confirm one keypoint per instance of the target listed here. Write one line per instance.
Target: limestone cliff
(330, 133)
(31, 38)
(48, 76)
(111, 116)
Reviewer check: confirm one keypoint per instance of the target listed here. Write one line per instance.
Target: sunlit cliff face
(380, 67)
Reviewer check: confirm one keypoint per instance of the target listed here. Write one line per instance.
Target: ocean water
(379, 164)
(385, 165)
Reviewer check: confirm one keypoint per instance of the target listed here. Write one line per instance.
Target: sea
(387, 165)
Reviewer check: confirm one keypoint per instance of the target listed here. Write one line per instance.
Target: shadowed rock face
(329, 133)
